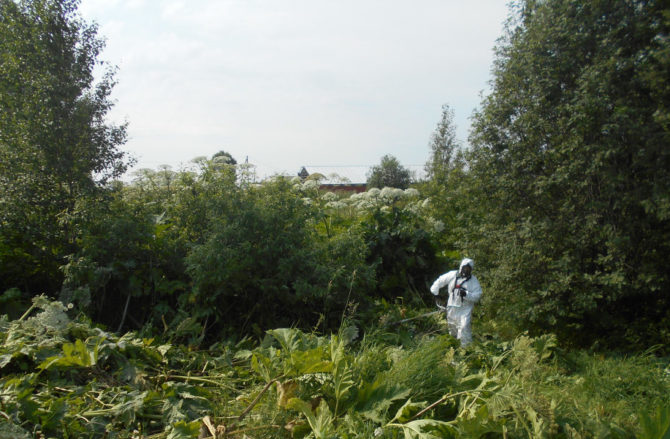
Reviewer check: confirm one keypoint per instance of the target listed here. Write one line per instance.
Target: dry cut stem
(255, 401)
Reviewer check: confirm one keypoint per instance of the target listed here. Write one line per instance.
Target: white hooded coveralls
(459, 312)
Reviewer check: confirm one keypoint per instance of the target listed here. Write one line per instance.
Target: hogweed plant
(63, 377)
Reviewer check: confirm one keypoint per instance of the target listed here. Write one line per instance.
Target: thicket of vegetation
(570, 157)
(562, 199)
(64, 378)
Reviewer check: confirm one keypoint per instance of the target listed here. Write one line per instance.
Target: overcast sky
(291, 83)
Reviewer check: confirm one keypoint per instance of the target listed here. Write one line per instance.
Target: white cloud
(294, 82)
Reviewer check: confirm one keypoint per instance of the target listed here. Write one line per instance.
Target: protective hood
(467, 261)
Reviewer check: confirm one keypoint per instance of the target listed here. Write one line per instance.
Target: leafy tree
(118, 263)
(571, 167)
(129, 267)
(264, 264)
(400, 239)
(55, 145)
(224, 157)
(444, 149)
(389, 173)
(445, 171)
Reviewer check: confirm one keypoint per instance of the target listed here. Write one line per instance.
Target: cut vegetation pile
(66, 378)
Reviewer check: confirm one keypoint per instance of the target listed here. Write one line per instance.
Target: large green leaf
(408, 410)
(74, 354)
(320, 421)
(427, 429)
(184, 430)
(310, 361)
(477, 423)
(290, 339)
(656, 427)
(374, 399)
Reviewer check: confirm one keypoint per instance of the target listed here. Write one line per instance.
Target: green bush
(568, 173)
(265, 264)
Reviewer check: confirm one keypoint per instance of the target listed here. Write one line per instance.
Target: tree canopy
(444, 149)
(55, 144)
(224, 157)
(389, 173)
(570, 159)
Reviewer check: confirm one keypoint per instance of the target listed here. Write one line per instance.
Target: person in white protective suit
(464, 291)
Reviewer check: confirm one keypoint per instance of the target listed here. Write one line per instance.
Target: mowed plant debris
(64, 378)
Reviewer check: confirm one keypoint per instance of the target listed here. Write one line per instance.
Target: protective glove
(463, 293)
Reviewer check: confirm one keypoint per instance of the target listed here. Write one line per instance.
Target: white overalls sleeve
(474, 290)
(442, 282)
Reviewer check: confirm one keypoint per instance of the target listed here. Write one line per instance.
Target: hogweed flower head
(411, 193)
(329, 196)
(374, 192)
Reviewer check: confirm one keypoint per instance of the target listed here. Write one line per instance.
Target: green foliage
(444, 150)
(563, 201)
(265, 250)
(389, 173)
(658, 426)
(426, 429)
(320, 421)
(446, 186)
(88, 382)
(400, 235)
(117, 261)
(198, 247)
(184, 430)
(397, 232)
(76, 354)
(223, 158)
(64, 378)
(342, 372)
(128, 269)
(569, 170)
(258, 251)
(56, 146)
(517, 389)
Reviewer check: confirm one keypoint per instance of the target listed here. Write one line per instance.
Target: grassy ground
(64, 378)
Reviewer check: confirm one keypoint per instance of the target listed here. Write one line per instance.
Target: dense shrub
(264, 264)
(569, 173)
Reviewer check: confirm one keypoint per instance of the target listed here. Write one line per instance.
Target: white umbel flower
(411, 193)
(310, 184)
(329, 196)
(374, 192)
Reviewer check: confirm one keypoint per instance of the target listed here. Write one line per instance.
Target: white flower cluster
(310, 185)
(411, 193)
(395, 194)
(381, 200)
(52, 318)
(384, 197)
(436, 225)
(329, 196)
(336, 205)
